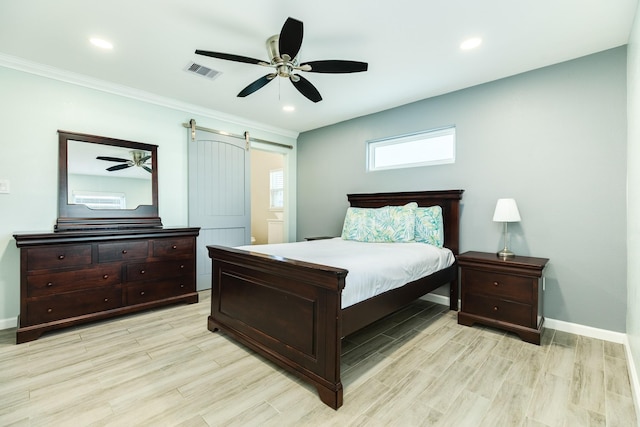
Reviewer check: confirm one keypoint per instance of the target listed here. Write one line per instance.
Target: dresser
(73, 277)
(503, 293)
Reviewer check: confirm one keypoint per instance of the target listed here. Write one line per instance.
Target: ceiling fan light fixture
(283, 52)
(471, 43)
(101, 43)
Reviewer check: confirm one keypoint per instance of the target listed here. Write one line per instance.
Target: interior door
(219, 195)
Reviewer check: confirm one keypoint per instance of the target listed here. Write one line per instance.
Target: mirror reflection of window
(97, 200)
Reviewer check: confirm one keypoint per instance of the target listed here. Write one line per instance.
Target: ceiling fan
(138, 159)
(283, 51)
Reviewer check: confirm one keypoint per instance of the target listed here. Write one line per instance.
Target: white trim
(587, 331)
(633, 376)
(438, 299)
(9, 323)
(20, 64)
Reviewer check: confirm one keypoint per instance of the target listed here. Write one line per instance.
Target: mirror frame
(80, 217)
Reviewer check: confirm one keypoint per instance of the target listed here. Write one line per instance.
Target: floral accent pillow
(429, 226)
(386, 224)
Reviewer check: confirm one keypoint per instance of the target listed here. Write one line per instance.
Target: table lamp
(506, 211)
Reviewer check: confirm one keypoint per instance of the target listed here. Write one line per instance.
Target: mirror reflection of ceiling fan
(138, 159)
(283, 51)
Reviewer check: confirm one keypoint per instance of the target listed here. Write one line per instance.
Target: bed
(290, 311)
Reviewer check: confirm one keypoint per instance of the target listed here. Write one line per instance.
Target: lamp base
(505, 253)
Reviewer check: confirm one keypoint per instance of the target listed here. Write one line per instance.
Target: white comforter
(373, 268)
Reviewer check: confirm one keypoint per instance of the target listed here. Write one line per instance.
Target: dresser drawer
(504, 286)
(172, 247)
(159, 270)
(66, 281)
(157, 290)
(122, 251)
(71, 304)
(498, 309)
(58, 257)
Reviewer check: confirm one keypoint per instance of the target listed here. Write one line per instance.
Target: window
(276, 188)
(433, 147)
(99, 200)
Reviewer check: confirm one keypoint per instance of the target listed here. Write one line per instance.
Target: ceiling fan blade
(305, 87)
(145, 158)
(111, 159)
(336, 66)
(231, 57)
(118, 167)
(290, 38)
(147, 168)
(256, 85)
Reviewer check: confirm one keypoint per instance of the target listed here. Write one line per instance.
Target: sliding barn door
(219, 195)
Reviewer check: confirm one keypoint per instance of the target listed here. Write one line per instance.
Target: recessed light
(471, 43)
(288, 108)
(101, 43)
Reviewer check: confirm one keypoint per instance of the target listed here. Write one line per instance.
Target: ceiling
(412, 47)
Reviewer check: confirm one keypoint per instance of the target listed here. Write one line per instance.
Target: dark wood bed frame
(290, 311)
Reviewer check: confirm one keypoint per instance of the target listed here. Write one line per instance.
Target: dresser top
(76, 236)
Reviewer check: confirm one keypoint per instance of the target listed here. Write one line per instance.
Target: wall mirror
(106, 183)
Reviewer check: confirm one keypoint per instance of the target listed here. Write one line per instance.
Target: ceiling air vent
(201, 70)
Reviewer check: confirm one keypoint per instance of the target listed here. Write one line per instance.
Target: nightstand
(503, 293)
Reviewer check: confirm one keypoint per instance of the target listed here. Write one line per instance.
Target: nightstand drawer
(499, 285)
(498, 309)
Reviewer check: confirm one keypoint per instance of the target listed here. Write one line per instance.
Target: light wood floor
(416, 367)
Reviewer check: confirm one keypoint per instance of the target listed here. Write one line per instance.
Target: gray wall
(554, 139)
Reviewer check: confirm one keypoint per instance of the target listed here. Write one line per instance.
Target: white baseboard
(633, 375)
(586, 331)
(438, 299)
(12, 322)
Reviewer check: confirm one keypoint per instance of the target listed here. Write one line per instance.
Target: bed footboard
(288, 311)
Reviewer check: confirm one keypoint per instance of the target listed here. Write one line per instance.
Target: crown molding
(77, 79)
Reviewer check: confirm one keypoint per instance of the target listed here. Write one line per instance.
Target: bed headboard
(448, 200)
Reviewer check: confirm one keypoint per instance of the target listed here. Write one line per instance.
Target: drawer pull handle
(124, 251)
(495, 283)
(142, 293)
(174, 247)
(106, 276)
(61, 257)
(50, 284)
(49, 310)
(181, 265)
(181, 285)
(141, 271)
(106, 300)
(495, 308)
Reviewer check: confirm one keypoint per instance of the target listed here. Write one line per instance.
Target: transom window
(432, 147)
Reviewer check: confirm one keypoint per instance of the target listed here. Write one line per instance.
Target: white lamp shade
(506, 211)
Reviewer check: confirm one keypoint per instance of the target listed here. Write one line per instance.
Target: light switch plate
(4, 186)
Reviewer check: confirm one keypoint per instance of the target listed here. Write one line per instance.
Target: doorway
(268, 221)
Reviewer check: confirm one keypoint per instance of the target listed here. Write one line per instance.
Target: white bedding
(373, 268)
